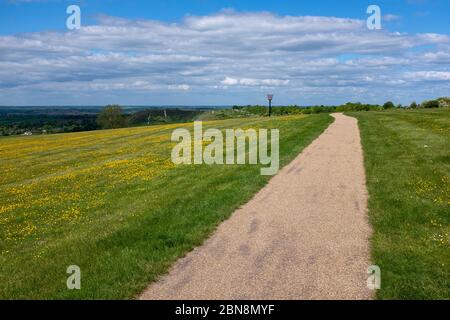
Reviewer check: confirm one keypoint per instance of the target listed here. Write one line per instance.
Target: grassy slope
(408, 164)
(112, 203)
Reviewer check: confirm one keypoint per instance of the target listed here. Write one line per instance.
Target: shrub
(388, 105)
(431, 104)
(444, 102)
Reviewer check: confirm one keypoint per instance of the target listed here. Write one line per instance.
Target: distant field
(113, 203)
(407, 158)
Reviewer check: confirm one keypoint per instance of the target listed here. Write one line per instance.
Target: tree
(431, 104)
(388, 105)
(413, 105)
(111, 117)
(444, 102)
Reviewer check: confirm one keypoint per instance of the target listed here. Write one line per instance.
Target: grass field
(407, 158)
(113, 203)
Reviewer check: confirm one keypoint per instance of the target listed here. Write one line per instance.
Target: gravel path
(303, 236)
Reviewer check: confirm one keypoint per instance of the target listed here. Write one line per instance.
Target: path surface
(303, 236)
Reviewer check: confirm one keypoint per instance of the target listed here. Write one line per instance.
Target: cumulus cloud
(229, 81)
(254, 82)
(429, 76)
(302, 57)
(184, 87)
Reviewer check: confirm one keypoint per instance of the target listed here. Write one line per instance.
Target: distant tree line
(15, 121)
(113, 116)
(349, 106)
(15, 124)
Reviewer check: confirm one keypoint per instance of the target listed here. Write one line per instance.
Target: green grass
(112, 203)
(407, 165)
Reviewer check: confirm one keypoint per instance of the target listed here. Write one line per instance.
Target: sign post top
(270, 97)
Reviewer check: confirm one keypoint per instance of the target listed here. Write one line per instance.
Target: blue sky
(210, 52)
(28, 15)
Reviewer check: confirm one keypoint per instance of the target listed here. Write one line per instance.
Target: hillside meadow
(113, 203)
(407, 164)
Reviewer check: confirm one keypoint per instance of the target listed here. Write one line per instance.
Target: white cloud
(229, 81)
(254, 82)
(245, 52)
(183, 87)
(433, 38)
(263, 82)
(429, 76)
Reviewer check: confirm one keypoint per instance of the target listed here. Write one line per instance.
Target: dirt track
(303, 236)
